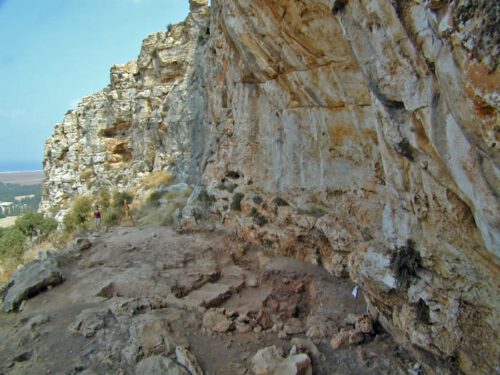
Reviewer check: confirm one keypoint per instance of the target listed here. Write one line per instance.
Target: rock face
(363, 137)
(35, 277)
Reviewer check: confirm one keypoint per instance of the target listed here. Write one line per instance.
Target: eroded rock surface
(359, 135)
(140, 326)
(34, 278)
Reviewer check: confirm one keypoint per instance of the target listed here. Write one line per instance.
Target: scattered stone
(210, 295)
(339, 340)
(159, 365)
(181, 290)
(149, 336)
(282, 335)
(271, 361)
(89, 321)
(307, 346)
(251, 282)
(356, 338)
(318, 328)
(364, 324)
(277, 327)
(293, 326)
(242, 327)
(133, 306)
(81, 244)
(188, 360)
(264, 319)
(351, 319)
(34, 278)
(107, 291)
(215, 320)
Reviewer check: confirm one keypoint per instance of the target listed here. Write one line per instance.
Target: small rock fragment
(89, 321)
(159, 365)
(364, 324)
(188, 360)
(356, 338)
(215, 320)
(81, 244)
(339, 340)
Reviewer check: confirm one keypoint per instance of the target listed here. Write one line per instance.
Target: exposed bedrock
(362, 135)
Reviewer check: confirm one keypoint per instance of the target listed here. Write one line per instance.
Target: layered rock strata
(360, 135)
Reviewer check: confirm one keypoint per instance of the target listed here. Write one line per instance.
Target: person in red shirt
(97, 218)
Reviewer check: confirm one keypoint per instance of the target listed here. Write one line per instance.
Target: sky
(55, 52)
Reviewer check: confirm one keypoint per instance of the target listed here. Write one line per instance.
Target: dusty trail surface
(138, 294)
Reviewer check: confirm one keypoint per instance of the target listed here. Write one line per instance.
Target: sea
(20, 166)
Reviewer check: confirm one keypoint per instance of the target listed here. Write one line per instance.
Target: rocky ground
(153, 301)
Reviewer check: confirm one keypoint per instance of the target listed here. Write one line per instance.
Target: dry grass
(156, 179)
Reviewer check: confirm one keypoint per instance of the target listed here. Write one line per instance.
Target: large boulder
(35, 277)
(270, 361)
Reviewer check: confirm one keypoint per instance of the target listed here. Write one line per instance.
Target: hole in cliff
(119, 128)
(236, 202)
(279, 202)
(257, 200)
(258, 218)
(422, 311)
(224, 99)
(405, 263)
(404, 148)
(233, 174)
(123, 152)
(338, 5)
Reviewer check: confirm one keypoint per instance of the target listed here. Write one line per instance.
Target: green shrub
(79, 215)
(12, 244)
(35, 224)
(112, 216)
(104, 198)
(120, 196)
(171, 195)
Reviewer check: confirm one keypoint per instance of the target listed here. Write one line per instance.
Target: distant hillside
(16, 199)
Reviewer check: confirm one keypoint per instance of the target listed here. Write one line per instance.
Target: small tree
(79, 216)
(12, 243)
(35, 224)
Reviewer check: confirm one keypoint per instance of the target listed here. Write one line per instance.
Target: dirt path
(140, 292)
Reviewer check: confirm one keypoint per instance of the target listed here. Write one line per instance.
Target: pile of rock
(361, 329)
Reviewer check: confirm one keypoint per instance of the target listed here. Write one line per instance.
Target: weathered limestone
(34, 278)
(360, 135)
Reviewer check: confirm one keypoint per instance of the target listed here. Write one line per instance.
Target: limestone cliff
(360, 135)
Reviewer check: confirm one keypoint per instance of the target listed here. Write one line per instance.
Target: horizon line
(25, 171)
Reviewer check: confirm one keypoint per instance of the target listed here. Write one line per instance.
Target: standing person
(97, 218)
(126, 212)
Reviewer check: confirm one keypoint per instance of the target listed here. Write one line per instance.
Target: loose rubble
(119, 311)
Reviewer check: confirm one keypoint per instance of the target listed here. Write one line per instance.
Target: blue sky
(54, 52)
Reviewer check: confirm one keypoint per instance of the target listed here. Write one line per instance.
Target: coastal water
(18, 166)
